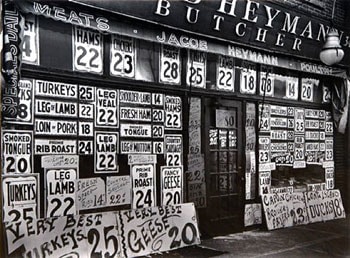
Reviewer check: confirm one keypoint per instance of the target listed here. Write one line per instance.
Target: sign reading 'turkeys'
(259, 23)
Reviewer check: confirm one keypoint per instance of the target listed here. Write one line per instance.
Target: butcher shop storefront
(131, 128)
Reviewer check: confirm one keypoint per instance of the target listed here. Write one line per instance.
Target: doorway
(223, 162)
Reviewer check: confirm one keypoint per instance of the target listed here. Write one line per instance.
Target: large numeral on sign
(106, 162)
(173, 159)
(172, 198)
(13, 165)
(94, 238)
(144, 198)
(188, 228)
(58, 210)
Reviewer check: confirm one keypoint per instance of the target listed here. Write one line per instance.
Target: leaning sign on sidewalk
(126, 233)
(287, 209)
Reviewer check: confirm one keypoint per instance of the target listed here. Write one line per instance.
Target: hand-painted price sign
(90, 193)
(307, 90)
(60, 191)
(173, 112)
(123, 56)
(26, 102)
(85, 147)
(248, 81)
(106, 152)
(170, 65)
(118, 190)
(87, 51)
(30, 47)
(17, 152)
(143, 186)
(292, 88)
(267, 84)
(225, 73)
(106, 108)
(171, 185)
(196, 69)
(20, 195)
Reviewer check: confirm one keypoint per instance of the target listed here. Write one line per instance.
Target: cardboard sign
(143, 186)
(90, 193)
(194, 129)
(87, 93)
(17, 151)
(122, 56)
(196, 69)
(307, 89)
(86, 111)
(225, 73)
(171, 185)
(44, 146)
(225, 118)
(299, 212)
(136, 147)
(277, 209)
(87, 51)
(173, 149)
(134, 130)
(264, 182)
(106, 152)
(20, 198)
(60, 192)
(252, 214)
(157, 235)
(324, 205)
(170, 65)
(118, 190)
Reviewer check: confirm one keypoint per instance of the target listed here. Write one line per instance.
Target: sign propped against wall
(108, 234)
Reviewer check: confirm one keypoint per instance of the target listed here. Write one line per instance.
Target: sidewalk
(324, 239)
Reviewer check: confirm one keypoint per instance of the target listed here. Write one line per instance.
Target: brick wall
(321, 8)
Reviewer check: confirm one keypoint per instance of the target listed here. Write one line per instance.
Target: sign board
(118, 190)
(90, 193)
(87, 50)
(171, 185)
(143, 186)
(30, 45)
(106, 152)
(55, 89)
(225, 76)
(173, 112)
(25, 102)
(122, 56)
(55, 127)
(45, 146)
(17, 152)
(60, 192)
(196, 69)
(135, 97)
(170, 65)
(20, 198)
(106, 108)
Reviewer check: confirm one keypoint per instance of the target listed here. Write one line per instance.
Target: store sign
(90, 193)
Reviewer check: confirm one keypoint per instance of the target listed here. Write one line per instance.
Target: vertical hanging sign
(123, 56)
(13, 27)
(106, 152)
(87, 51)
(170, 65)
(171, 185)
(143, 186)
(196, 69)
(106, 108)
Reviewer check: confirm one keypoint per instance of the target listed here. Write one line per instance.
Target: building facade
(114, 105)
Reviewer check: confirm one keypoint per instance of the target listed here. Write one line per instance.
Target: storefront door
(224, 166)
